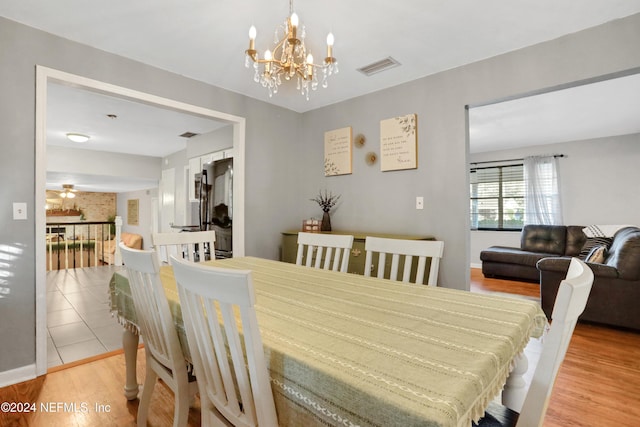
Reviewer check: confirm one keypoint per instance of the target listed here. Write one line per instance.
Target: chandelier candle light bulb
(289, 58)
(267, 65)
(293, 21)
(309, 66)
(252, 39)
(330, 41)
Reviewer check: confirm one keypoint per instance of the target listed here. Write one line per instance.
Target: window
(497, 197)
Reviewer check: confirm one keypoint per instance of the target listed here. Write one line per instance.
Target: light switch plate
(419, 202)
(19, 210)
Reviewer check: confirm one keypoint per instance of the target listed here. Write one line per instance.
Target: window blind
(497, 197)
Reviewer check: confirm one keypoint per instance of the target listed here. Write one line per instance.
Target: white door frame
(44, 75)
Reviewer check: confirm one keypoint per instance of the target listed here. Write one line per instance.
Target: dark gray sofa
(615, 294)
(536, 242)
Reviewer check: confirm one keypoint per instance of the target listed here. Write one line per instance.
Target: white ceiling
(594, 110)
(138, 128)
(205, 40)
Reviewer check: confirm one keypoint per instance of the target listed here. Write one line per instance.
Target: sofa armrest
(613, 300)
(553, 270)
(561, 265)
(558, 264)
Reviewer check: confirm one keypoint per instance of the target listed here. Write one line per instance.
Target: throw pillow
(593, 242)
(597, 255)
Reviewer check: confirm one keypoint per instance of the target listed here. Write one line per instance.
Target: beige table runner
(348, 350)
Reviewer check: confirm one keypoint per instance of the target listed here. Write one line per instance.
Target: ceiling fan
(68, 191)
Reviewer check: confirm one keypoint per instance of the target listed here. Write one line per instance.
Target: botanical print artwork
(398, 143)
(337, 152)
(330, 167)
(407, 124)
(133, 211)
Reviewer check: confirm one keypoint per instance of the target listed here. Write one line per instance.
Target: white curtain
(542, 196)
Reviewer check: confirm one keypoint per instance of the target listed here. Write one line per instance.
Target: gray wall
(92, 162)
(21, 49)
(284, 169)
(217, 140)
(373, 200)
(145, 213)
(598, 184)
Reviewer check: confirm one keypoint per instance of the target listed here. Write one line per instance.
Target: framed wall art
(399, 143)
(337, 152)
(133, 211)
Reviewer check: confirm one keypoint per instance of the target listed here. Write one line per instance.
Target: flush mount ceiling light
(77, 137)
(289, 58)
(67, 191)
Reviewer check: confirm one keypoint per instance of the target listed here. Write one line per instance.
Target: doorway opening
(45, 76)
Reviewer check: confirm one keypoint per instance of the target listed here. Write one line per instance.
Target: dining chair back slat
(571, 301)
(225, 344)
(326, 251)
(194, 245)
(164, 355)
(406, 250)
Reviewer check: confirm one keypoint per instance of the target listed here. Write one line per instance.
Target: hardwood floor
(92, 391)
(598, 384)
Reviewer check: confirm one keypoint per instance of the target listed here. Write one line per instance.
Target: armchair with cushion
(107, 249)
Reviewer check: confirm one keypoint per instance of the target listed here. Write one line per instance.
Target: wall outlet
(19, 210)
(419, 202)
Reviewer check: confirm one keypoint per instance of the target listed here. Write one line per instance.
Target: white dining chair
(326, 251)
(194, 245)
(231, 368)
(164, 356)
(570, 303)
(406, 249)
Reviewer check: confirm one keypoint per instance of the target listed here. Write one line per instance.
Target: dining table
(347, 350)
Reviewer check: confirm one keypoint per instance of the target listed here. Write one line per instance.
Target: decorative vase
(326, 222)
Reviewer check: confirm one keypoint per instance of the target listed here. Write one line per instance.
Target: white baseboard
(17, 375)
(476, 265)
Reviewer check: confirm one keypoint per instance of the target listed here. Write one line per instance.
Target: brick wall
(94, 206)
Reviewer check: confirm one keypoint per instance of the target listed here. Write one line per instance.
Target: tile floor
(79, 321)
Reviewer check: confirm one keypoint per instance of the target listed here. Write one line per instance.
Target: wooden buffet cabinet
(357, 256)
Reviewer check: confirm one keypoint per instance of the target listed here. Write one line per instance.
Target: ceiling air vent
(189, 134)
(379, 66)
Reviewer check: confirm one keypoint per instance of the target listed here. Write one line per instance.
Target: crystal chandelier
(290, 59)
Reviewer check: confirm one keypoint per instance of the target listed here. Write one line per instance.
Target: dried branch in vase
(326, 201)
